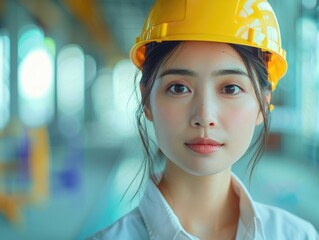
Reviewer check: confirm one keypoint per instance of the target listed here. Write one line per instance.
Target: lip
(204, 145)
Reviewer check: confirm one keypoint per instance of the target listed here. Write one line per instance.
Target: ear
(148, 113)
(260, 118)
(147, 110)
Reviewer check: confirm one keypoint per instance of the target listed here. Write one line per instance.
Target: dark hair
(157, 54)
(258, 74)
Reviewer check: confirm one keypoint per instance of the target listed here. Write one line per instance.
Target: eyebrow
(177, 71)
(235, 71)
(186, 72)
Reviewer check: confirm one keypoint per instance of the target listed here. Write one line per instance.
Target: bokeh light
(4, 80)
(36, 77)
(70, 88)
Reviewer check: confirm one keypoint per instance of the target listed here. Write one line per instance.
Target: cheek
(242, 123)
(166, 115)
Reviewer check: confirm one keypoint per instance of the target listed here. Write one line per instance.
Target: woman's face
(203, 108)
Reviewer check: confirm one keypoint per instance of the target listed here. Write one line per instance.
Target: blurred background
(68, 144)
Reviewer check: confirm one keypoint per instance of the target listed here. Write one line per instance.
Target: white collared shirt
(154, 219)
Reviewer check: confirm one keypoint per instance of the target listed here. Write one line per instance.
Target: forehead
(203, 55)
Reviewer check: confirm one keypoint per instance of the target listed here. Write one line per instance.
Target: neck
(205, 205)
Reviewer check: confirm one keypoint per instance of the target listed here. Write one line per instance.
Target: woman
(208, 71)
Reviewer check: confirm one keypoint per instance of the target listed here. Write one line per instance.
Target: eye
(178, 89)
(231, 89)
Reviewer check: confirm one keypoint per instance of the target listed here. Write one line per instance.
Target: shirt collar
(162, 223)
(159, 218)
(250, 226)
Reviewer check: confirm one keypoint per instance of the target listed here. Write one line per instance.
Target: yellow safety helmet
(244, 22)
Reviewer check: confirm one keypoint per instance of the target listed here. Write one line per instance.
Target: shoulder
(130, 226)
(278, 223)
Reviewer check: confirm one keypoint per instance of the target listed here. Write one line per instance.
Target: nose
(204, 115)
